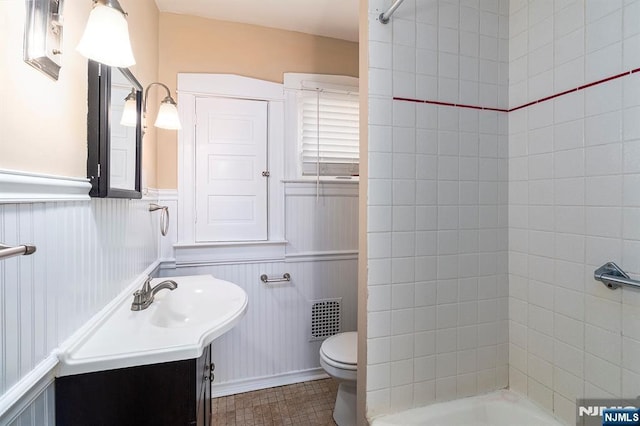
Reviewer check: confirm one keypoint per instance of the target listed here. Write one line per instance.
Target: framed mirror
(114, 150)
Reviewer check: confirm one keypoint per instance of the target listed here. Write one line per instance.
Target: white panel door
(231, 156)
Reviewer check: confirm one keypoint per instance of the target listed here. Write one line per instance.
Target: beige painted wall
(43, 123)
(192, 44)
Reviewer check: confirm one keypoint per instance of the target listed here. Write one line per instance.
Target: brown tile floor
(308, 403)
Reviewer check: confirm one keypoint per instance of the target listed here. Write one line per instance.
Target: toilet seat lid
(342, 348)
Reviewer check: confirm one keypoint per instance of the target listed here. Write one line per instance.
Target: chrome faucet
(144, 297)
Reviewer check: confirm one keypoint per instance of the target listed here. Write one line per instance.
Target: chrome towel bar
(9, 251)
(285, 278)
(164, 217)
(613, 277)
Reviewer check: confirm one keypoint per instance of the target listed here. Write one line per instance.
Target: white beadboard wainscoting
(271, 346)
(324, 223)
(320, 221)
(88, 251)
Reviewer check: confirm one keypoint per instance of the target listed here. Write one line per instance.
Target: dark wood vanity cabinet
(173, 394)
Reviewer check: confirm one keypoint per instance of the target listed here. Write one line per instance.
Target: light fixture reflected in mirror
(167, 113)
(106, 36)
(129, 112)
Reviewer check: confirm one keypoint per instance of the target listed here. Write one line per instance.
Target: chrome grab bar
(285, 278)
(613, 277)
(9, 251)
(164, 217)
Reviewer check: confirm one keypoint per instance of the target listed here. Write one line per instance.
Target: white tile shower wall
(87, 252)
(437, 206)
(573, 203)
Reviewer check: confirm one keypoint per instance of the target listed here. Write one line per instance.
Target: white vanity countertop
(178, 325)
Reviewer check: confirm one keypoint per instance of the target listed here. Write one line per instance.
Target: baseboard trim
(258, 383)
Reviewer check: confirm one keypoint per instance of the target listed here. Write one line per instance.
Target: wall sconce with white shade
(167, 117)
(106, 36)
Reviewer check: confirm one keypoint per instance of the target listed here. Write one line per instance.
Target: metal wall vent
(325, 318)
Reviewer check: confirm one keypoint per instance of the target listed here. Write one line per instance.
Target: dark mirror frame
(99, 133)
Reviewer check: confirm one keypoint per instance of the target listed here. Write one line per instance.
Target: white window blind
(329, 132)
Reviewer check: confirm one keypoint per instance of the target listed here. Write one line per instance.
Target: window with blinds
(329, 133)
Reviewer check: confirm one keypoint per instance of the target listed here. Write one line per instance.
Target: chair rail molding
(25, 187)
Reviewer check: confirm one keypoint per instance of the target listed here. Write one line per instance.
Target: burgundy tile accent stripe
(448, 104)
(584, 86)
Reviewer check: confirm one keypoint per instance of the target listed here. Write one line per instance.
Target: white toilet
(339, 358)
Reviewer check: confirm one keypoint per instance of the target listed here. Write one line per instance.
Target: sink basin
(192, 304)
(178, 325)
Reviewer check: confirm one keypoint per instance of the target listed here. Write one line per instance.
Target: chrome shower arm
(384, 17)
